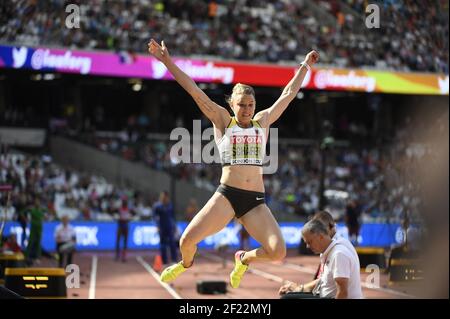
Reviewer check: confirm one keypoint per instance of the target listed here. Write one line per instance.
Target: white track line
(93, 277)
(156, 277)
(266, 275)
(299, 268)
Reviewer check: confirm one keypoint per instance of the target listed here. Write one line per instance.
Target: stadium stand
(66, 192)
(414, 35)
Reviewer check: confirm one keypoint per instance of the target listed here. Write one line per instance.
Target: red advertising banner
(211, 71)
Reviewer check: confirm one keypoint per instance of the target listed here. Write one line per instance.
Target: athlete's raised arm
(272, 113)
(214, 112)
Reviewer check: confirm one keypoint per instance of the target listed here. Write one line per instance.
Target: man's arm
(310, 285)
(214, 112)
(342, 288)
(341, 274)
(272, 114)
(293, 287)
(57, 234)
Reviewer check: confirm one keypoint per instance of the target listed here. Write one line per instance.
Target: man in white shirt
(339, 276)
(326, 219)
(65, 238)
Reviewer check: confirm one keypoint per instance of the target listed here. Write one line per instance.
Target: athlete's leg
(262, 226)
(213, 217)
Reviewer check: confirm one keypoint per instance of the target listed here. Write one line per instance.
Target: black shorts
(241, 200)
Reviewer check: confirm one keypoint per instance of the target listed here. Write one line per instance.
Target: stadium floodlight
(137, 87)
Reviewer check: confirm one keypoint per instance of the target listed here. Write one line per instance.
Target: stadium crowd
(413, 34)
(64, 192)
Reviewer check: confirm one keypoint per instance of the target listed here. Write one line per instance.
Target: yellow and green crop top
(242, 146)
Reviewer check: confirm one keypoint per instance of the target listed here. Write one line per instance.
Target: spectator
(122, 230)
(37, 215)
(352, 220)
(65, 238)
(165, 220)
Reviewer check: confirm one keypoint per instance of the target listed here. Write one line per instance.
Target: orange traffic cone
(158, 263)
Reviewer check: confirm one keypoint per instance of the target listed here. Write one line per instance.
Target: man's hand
(312, 58)
(160, 52)
(288, 286)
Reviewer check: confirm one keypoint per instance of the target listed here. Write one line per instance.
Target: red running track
(101, 277)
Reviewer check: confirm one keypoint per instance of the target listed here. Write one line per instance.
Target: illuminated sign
(215, 71)
(144, 235)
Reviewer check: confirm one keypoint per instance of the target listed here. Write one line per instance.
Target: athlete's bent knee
(186, 242)
(277, 253)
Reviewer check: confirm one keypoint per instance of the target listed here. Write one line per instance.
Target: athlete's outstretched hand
(312, 57)
(158, 51)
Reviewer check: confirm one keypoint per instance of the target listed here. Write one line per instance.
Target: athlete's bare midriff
(244, 177)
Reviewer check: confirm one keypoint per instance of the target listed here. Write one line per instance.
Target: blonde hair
(240, 89)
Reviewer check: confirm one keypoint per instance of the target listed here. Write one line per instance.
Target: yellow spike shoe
(172, 272)
(238, 271)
